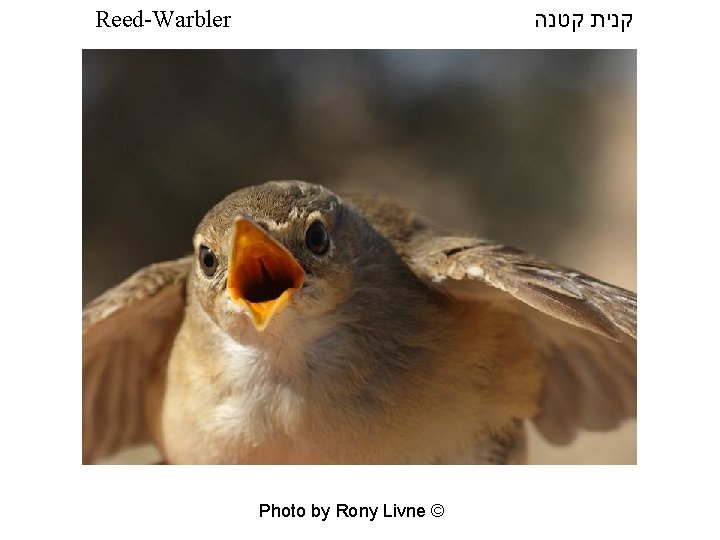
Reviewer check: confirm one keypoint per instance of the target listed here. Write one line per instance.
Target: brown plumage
(404, 343)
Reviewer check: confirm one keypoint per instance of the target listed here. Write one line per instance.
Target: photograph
(359, 256)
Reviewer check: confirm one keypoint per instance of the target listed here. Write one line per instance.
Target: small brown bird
(309, 328)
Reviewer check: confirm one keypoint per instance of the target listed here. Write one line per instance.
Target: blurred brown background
(532, 148)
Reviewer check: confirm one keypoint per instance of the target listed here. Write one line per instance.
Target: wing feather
(127, 334)
(583, 328)
(563, 293)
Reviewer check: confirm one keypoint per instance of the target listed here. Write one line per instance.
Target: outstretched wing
(563, 293)
(127, 335)
(584, 329)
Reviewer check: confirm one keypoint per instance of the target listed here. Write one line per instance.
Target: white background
(672, 490)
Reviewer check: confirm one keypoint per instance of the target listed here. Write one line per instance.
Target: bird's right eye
(208, 261)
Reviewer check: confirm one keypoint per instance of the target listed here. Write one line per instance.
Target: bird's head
(273, 256)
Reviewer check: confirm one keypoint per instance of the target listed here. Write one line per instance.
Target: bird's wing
(127, 335)
(566, 294)
(582, 328)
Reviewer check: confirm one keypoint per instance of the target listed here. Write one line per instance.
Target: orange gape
(262, 273)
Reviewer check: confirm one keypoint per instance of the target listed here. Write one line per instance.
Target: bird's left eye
(317, 238)
(208, 261)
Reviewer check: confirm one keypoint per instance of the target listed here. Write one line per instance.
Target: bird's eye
(208, 261)
(317, 238)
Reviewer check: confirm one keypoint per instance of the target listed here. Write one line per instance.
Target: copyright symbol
(437, 510)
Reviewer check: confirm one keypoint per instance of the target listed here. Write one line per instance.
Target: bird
(308, 327)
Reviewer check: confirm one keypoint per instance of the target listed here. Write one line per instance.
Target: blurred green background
(526, 147)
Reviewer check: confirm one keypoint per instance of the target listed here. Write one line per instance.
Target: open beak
(263, 274)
